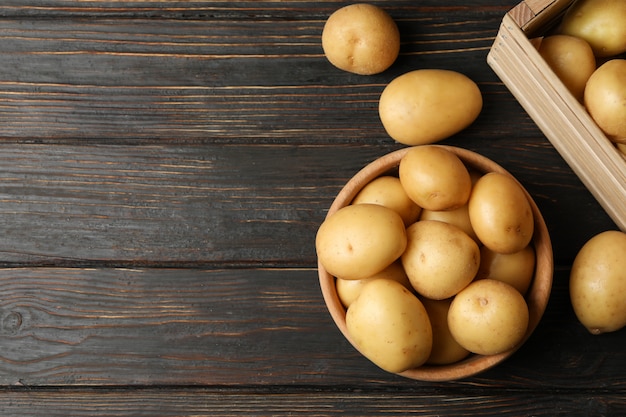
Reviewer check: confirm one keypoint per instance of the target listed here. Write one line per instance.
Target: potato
(605, 98)
(458, 217)
(500, 213)
(571, 59)
(488, 317)
(600, 22)
(445, 348)
(361, 38)
(427, 105)
(435, 178)
(389, 326)
(388, 191)
(358, 241)
(440, 259)
(516, 269)
(598, 283)
(348, 290)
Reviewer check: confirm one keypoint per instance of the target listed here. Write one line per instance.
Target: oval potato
(435, 178)
(602, 23)
(571, 59)
(428, 105)
(605, 98)
(388, 191)
(390, 326)
(598, 283)
(349, 290)
(500, 213)
(358, 241)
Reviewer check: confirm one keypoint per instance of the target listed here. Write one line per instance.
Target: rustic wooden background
(164, 166)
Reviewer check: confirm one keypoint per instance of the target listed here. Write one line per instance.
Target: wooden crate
(564, 121)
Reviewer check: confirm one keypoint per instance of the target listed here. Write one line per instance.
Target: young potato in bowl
(360, 240)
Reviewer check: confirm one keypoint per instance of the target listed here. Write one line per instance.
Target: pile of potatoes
(432, 263)
(586, 52)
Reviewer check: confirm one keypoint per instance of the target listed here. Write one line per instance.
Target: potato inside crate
(565, 122)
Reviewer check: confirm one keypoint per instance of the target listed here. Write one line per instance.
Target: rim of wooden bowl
(537, 296)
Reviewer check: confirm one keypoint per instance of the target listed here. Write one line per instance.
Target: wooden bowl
(536, 297)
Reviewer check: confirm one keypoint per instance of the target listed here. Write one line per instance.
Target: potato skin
(571, 59)
(440, 259)
(435, 178)
(361, 38)
(598, 283)
(500, 213)
(516, 269)
(428, 105)
(605, 98)
(390, 326)
(358, 241)
(600, 22)
(445, 348)
(349, 290)
(488, 317)
(388, 191)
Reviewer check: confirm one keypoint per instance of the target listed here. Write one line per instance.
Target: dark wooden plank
(238, 328)
(220, 9)
(222, 205)
(199, 402)
(229, 79)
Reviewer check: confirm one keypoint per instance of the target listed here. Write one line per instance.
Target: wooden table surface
(164, 167)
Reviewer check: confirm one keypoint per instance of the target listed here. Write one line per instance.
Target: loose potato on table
(361, 38)
(598, 283)
(428, 105)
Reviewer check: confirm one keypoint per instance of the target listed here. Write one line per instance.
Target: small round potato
(388, 191)
(500, 213)
(488, 317)
(348, 290)
(458, 217)
(435, 178)
(516, 269)
(358, 241)
(440, 259)
(571, 59)
(389, 326)
(361, 38)
(428, 105)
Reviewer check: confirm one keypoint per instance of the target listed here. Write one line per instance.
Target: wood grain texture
(164, 166)
(217, 403)
(253, 327)
(249, 76)
(217, 205)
